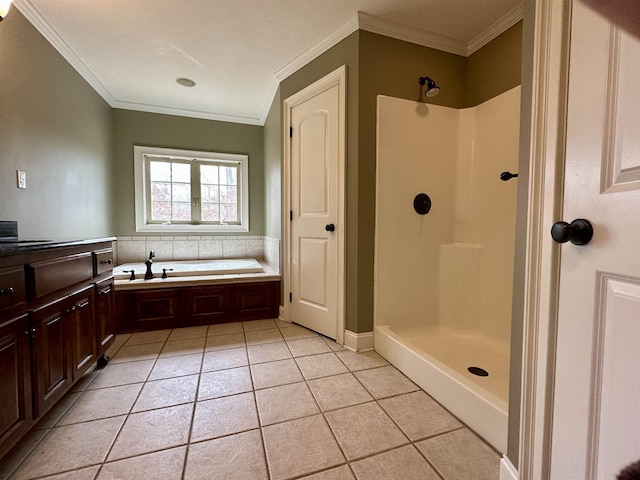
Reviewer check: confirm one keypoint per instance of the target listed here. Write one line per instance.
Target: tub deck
(185, 301)
(199, 278)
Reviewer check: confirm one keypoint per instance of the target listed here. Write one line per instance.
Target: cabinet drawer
(13, 290)
(103, 261)
(49, 276)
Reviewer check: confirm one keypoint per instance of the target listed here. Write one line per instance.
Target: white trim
(141, 107)
(337, 77)
(311, 53)
(400, 31)
(542, 264)
(358, 342)
(507, 470)
(140, 188)
(361, 20)
(34, 16)
(495, 30)
(281, 314)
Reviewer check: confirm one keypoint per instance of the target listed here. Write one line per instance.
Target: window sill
(199, 229)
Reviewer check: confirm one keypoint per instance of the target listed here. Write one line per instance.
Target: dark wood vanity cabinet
(55, 322)
(51, 355)
(104, 315)
(16, 414)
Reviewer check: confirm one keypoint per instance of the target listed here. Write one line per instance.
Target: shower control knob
(578, 232)
(330, 228)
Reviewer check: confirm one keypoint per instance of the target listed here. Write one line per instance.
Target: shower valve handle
(330, 228)
(578, 232)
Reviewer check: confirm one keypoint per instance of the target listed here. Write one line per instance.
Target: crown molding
(315, 51)
(498, 28)
(400, 31)
(34, 16)
(362, 20)
(180, 112)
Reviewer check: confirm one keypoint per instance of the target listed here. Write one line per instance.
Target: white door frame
(337, 77)
(542, 267)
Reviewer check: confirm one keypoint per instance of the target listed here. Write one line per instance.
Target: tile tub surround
(253, 400)
(131, 249)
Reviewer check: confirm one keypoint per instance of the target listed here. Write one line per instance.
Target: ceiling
(237, 51)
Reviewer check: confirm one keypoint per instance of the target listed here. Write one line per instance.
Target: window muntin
(179, 190)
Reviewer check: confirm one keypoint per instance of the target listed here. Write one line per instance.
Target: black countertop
(15, 247)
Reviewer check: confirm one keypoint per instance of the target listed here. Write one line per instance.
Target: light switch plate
(22, 179)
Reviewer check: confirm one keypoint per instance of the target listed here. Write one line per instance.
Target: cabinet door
(258, 300)
(156, 309)
(51, 360)
(104, 310)
(15, 380)
(83, 331)
(206, 304)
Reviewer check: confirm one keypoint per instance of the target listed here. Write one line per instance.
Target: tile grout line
(115, 438)
(255, 402)
(261, 426)
(193, 410)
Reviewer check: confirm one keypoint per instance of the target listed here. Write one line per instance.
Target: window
(188, 191)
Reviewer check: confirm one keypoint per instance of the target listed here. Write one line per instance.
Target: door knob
(330, 228)
(578, 232)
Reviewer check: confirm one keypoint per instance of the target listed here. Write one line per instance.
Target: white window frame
(140, 182)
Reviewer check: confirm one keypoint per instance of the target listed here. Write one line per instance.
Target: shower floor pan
(438, 361)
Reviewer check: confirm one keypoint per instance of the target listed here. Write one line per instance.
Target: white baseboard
(507, 470)
(281, 312)
(358, 342)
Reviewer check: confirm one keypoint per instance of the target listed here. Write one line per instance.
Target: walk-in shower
(443, 278)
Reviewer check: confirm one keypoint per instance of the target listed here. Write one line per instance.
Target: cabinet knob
(7, 292)
(107, 262)
(30, 333)
(72, 309)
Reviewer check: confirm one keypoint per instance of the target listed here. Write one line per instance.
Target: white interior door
(596, 416)
(316, 146)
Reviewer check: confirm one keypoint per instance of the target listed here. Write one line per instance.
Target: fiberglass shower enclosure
(443, 281)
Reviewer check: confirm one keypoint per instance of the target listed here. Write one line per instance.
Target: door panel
(597, 384)
(315, 149)
(315, 203)
(615, 387)
(313, 258)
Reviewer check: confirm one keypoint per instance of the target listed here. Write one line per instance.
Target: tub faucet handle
(133, 274)
(152, 255)
(165, 270)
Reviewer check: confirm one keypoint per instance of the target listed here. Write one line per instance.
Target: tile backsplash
(136, 249)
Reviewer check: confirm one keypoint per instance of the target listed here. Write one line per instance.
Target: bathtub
(186, 273)
(190, 268)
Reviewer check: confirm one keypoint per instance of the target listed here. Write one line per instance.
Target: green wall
(272, 136)
(379, 65)
(495, 68)
(168, 131)
(57, 129)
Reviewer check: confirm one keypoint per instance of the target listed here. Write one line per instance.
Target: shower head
(432, 89)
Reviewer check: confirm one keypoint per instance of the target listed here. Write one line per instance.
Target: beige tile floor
(253, 400)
